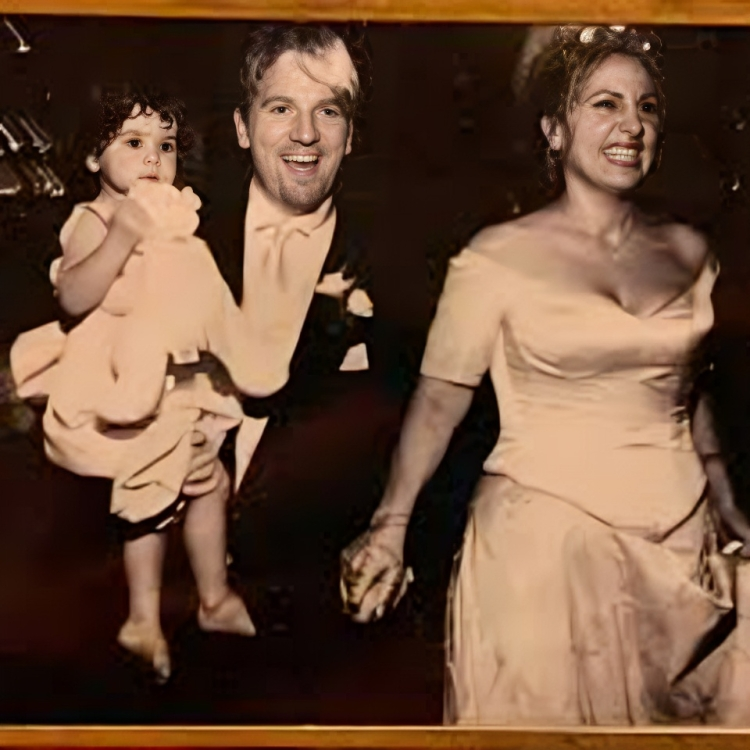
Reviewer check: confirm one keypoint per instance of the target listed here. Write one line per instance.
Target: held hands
(373, 578)
(157, 211)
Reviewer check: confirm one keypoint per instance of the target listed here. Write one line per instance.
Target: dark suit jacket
(329, 329)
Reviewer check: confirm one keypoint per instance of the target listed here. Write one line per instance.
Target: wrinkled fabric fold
(113, 411)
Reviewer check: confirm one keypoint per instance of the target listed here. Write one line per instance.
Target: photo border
(691, 12)
(704, 13)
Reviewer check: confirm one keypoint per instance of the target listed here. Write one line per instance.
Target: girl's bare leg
(142, 634)
(221, 609)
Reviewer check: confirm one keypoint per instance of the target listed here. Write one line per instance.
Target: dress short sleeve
(466, 327)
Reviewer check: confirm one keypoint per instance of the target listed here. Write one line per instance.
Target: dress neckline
(611, 300)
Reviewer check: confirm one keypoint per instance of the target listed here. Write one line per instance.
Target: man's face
(297, 132)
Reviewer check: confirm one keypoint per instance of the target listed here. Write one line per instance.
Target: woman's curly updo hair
(115, 108)
(567, 64)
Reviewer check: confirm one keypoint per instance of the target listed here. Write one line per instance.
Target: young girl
(129, 397)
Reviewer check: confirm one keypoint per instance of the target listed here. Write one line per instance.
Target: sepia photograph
(374, 380)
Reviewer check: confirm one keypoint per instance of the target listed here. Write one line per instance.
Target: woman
(589, 575)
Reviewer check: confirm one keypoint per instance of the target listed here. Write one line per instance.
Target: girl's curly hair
(116, 108)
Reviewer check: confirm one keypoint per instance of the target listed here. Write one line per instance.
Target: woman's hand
(734, 524)
(373, 578)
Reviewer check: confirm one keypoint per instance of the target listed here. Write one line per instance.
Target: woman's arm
(373, 564)
(436, 409)
(720, 487)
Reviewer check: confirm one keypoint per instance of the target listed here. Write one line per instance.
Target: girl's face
(144, 149)
(614, 128)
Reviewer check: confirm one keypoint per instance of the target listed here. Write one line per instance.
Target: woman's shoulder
(504, 243)
(688, 247)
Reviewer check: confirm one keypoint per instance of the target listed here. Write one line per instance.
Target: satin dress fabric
(589, 574)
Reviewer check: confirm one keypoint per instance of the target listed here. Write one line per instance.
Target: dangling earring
(552, 158)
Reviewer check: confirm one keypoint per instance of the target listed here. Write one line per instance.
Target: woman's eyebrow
(614, 94)
(618, 95)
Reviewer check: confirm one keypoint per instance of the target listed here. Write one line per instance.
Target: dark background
(446, 149)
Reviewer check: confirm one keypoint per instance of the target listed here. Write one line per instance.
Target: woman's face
(614, 128)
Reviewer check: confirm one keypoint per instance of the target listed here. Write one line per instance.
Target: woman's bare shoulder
(687, 245)
(505, 242)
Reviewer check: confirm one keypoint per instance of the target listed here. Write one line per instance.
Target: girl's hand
(167, 213)
(373, 578)
(190, 199)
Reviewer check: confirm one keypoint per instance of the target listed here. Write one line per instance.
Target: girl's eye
(167, 147)
(134, 142)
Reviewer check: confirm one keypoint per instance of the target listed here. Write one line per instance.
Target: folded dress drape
(114, 411)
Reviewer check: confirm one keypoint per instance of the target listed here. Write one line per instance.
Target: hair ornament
(588, 33)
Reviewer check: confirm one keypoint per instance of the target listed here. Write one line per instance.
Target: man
(287, 259)
(298, 266)
(299, 270)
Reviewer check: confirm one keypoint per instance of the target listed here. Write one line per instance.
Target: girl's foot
(228, 616)
(149, 644)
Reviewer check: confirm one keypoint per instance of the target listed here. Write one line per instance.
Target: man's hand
(205, 469)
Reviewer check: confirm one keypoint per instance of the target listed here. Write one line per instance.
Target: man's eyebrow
(281, 99)
(331, 100)
(335, 100)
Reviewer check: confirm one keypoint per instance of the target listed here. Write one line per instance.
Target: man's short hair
(264, 45)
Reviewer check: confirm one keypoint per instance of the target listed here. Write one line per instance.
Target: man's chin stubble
(302, 200)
